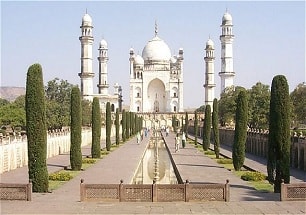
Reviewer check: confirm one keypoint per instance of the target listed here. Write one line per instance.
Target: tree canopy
(298, 100)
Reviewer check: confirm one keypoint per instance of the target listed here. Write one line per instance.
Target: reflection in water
(155, 164)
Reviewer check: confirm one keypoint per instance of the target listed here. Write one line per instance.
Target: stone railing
(154, 192)
(293, 192)
(16, 191)
(14, 151)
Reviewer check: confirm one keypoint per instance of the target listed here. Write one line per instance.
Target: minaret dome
(227, 19)
(210, 43)
(103, 44)
(86, 20)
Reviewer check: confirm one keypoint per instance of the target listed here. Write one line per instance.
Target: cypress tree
(186, 125)
(174, 123)
(108, 126)
(131, 123)
(132, 130)
(123, 125)
(36, 129)
(207, 128)
(76, 129)
(96, 129)
(117, 127)
(196, 127)
(279, 133)
(136, 124)
(241, 120)
(215, 128)
(127, 132)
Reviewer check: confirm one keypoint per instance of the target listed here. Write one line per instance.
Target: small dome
(227, 19)
(103, 44)
(139, 60)
(173, 60)
(156, 49)
(210, 43)
(86, 20)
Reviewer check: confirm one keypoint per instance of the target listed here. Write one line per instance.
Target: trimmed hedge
(253, 176)
(60, 176)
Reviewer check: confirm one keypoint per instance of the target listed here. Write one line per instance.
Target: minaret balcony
(86, 75)
(103, 85)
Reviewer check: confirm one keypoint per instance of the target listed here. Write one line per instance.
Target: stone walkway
(258, 163)
(121, 164)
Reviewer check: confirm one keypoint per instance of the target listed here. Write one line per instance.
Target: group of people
(180, 140)
(139, 136)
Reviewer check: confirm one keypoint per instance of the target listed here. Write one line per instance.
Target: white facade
(227, 73)
(209, 85)
(156, 78)
(87, 73)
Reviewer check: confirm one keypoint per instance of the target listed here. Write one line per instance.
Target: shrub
(253, 176)
(209, 152)
(104, 152)
(60, 176)
(89, 160)
(224, 161)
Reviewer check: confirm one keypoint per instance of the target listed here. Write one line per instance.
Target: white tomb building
(156, 78)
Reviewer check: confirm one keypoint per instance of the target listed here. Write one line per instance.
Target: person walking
(183, 140)
(138, 137)
(177, 143)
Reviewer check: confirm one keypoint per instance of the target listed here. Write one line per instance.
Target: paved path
(121, 164)
(198, 168)
(258, 163)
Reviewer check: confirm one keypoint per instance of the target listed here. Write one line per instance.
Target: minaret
(227, 73)
(180, 81)
(209, 73)
(103, 59)
(86, 73)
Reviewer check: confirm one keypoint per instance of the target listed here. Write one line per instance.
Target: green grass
(209, 152)
(262, 186)
(53, 185)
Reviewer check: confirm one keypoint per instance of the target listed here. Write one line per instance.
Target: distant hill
(11, 93)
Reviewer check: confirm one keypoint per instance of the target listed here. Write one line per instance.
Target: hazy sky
(269, 39)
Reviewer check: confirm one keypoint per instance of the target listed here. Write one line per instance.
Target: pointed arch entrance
(157, 96)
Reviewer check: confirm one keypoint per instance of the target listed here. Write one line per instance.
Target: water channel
(155, 164)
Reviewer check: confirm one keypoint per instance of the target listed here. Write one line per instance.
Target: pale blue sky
(269, 39)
